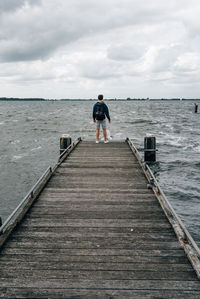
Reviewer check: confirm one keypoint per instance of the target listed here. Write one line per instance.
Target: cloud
(125, 52)
(188, 63)
(12, 5)
(99, 68)
(98, 43)
(35, 33)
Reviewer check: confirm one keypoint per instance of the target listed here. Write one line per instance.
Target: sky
(81, 48)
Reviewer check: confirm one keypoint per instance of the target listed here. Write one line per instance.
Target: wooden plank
(67, 293)
(96, 206)
(27, 282)
(93, 244)
(97, 214)
(80, 274)
(96, 196)
(129, 223)
(106, 191)
(166, 235)
(128, 254)
(51, 236)
(91, 186)
(98, 230)
(39, 264)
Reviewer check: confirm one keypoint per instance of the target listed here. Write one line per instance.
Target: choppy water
(29, 143)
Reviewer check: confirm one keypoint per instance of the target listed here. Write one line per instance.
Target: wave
(36, 148)
(141, 121)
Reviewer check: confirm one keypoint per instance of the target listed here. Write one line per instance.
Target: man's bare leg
(104, 134)
(97, 134)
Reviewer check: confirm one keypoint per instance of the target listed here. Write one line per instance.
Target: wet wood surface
(96, 231)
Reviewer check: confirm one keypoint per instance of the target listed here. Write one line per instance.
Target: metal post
(65, 141)
(195, 108)
(150, 148)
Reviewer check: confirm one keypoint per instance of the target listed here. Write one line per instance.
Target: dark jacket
(105, 108)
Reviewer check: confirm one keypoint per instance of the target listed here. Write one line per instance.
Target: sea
(30, 134)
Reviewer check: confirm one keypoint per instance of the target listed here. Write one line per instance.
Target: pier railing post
(150, 148)
(65, 141)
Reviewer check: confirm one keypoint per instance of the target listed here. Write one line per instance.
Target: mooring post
(195, 108)
(65, 141)
(150, 148)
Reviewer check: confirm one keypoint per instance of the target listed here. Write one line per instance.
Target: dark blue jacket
(105, 107)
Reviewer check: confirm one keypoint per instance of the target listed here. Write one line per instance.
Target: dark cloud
(34, 34)
(93, 42)
(12, 5)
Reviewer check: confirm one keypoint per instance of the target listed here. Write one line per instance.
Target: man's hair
(100, 97)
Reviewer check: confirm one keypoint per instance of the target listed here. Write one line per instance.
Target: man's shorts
(101, 123)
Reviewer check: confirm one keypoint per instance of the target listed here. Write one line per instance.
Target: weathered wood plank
(99, 274)
(90, 186)
(99, 190)
(97, 230)
(92, 244)
(129, 223)
(165, 258)
(97, 214)
(97, 181)
(100, 252)
(67, 293)
(89, 234)
(129, 197)
(97, 205)
(101, 284)
(40, 264)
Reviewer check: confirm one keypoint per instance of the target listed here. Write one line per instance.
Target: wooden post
(150, 148)
(65, 141)
(195, 108)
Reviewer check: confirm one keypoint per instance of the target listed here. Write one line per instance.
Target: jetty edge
(187, 242)
(20, 211)
(97, 225)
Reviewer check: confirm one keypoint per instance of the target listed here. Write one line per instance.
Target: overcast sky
(80, 48)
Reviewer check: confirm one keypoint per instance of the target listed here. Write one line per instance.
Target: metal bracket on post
(151, 184)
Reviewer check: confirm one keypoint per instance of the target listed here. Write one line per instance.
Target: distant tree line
(114, 99)
(21, 99)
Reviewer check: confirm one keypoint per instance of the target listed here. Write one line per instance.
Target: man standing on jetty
(100, 112)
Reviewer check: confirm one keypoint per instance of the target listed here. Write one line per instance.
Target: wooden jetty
(97, 225)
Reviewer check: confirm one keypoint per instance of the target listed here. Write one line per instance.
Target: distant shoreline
(114, 100)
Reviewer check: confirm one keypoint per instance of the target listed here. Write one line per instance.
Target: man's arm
(94, 113)
(107, 112)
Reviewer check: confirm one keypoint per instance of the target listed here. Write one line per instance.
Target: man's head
(100, 97)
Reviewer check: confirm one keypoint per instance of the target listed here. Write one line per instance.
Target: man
(100, 112)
